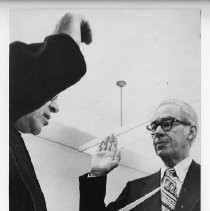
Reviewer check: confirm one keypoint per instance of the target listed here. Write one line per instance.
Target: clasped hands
(106, 157)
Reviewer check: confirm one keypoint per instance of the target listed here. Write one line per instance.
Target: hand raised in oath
(106, 158)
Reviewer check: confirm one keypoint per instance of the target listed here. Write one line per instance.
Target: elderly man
(38, 73)
(173, 130)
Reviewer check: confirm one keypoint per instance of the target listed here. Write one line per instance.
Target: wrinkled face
(173, 143)
(34, 121)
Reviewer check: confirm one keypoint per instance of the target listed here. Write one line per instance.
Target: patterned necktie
(169, 190)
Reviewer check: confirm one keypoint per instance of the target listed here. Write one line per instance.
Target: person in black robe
(38, 72)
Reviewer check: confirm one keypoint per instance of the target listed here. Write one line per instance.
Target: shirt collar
(181, 168)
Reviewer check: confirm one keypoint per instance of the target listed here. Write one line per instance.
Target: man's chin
(163, 153)
(37, 127)
(36, 131)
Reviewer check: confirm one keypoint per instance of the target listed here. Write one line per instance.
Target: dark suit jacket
(24, 190)
(92, 193)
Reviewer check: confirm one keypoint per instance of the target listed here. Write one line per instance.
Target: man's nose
(54, 108)
(159, 131)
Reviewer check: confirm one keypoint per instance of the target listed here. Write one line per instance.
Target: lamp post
(121, 84)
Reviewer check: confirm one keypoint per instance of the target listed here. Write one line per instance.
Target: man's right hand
(76, 26)
(106, 157)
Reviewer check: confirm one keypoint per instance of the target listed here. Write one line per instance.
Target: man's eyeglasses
(166, 125)
(54, 98)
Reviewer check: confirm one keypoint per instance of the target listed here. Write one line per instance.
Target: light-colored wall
(58, 168)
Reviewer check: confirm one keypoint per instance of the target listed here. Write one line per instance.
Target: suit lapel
(189, 195)
(152, 203)
(190, 192)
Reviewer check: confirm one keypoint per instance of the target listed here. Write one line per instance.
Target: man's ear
(192, 133)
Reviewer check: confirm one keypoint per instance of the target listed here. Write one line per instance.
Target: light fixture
(121, 84)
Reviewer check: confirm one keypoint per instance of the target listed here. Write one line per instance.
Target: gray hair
(188, 114)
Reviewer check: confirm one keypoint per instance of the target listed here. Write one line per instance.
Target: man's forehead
(167, 110)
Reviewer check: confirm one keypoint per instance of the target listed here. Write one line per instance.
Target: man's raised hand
(76, 26)
(106, 158)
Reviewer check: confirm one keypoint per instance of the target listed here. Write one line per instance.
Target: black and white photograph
(105, 108)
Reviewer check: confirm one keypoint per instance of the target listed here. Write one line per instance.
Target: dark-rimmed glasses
(54, 98)
(166, 124)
